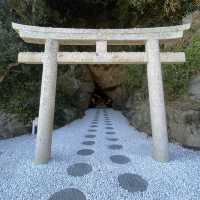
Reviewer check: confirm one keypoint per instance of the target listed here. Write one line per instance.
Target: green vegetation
(20, 84)
(176, 76)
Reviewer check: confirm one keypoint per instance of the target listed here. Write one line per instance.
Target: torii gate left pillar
(47, 102)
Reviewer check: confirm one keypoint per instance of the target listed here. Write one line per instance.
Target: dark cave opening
(99, 99)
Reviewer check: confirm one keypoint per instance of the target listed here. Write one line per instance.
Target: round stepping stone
(132, 182)
(85, 152)
(90, 136)
(119, 159)
(88, 143)
(115, 146)
(94, 126)
(92, 130)
(112, 139)
(68, 194)
(79, 169)
(110, 128)
(110, 133)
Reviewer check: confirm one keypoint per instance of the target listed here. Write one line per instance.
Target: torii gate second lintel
(53, 37)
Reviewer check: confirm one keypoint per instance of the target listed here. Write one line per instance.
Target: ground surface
(99, 157)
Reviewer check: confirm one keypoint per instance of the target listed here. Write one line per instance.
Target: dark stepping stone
(132, 182)
(108, 124)
(110, 133)
(94, 126)
(85, 152)
(79, 169)
(68, 194)
(110, 128)
(90, 136)
(92, 130)
(115, 146)
(88, 143)
(112, 139)
(119, 159)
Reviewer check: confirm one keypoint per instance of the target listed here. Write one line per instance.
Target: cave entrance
(99, 99)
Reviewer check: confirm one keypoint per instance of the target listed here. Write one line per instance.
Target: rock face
(194, 88)
(10, 126)
(110, 78)
(76, 86)
(183, 120)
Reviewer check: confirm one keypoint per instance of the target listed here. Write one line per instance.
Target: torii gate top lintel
(75, 36)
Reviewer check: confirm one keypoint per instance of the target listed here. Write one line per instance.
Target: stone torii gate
(52, 38)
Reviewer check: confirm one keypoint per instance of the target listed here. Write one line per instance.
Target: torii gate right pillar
(156, 100)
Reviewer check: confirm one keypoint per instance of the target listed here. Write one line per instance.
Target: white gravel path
(21, 180)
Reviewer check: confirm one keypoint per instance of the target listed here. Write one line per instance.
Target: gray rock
(194, 88)
(11, 126)
(183, 120)
(71, 113)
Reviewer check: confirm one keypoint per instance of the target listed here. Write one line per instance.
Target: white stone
(103, 58)
(101, 46)
(70, 36)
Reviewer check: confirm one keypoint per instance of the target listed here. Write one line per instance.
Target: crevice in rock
(99, 98)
